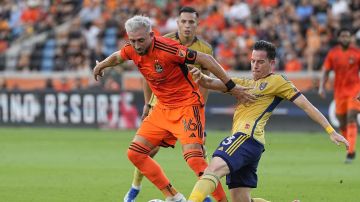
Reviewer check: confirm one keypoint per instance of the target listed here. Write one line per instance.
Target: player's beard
(345, 45)
(144, 52)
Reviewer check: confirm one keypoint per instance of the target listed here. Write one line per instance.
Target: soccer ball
(156, 200)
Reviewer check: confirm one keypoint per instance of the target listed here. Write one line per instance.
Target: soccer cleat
(131, 195)
(207, 199)
(350, 158)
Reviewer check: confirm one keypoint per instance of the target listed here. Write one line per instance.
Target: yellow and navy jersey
(197, 45)
(269, 91)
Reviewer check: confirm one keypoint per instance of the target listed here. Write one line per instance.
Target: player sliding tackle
(238, 156)
(179, 113)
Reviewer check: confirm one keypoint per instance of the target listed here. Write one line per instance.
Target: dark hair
(188, 9)
(266, 46)
(343, 29)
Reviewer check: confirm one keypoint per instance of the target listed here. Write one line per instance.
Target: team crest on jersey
(263, 85)
(158, 67)
(181, 53)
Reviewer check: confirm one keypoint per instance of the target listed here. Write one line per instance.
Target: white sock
(136, 187)
(177, 197)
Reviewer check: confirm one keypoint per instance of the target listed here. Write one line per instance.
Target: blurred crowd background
(69, 35)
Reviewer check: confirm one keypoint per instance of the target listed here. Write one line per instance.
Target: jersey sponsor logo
(263, 85)
(221, 149)
(158, 67)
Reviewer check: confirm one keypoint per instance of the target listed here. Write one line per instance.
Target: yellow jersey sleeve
(285, 88)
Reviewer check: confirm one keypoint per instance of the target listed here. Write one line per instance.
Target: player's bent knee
(218, 166)
(137, 153)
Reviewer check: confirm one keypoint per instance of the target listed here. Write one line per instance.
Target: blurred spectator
(24, 61)
(4, 36)
(111, 85)
(78, 84)
(63, 86)
(239, 10)
(292, 63)
(3, 85)
(91, 11)
(49, 84)
(79, 32)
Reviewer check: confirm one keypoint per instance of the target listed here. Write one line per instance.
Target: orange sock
(138, 154)
(351, 129)
(219, 193)
(195, 160)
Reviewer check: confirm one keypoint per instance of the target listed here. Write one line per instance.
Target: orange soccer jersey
(179, 113)
(346, 65)
(164, 68)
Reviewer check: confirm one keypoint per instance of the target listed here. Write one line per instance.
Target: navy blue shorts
(242, 154)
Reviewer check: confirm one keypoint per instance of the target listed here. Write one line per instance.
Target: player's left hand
(358, 97)
(337, 139)
(242, 94)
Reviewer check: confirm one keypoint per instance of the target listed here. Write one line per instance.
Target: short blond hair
(138, 22)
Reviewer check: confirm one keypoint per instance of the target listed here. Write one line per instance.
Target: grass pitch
(84, 165)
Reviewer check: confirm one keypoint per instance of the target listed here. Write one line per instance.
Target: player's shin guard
(203, 187)
(352, 131)
(195, 160)
(138, 155)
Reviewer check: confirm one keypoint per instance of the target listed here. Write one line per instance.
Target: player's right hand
(337, 139)
(195, 73)
(242, 94)
(145, 112)
(98, 71)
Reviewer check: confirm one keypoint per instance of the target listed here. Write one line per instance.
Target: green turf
(79, 165)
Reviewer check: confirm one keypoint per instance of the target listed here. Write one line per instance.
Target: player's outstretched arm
(206, 81)
(112, 60)
(318, 117)
(208, 62)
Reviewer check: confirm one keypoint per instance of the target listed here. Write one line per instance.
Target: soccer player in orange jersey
(187, 23)
(179, 113)
(344, 60)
